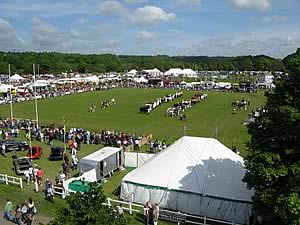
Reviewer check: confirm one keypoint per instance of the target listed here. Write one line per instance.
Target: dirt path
(37, 219)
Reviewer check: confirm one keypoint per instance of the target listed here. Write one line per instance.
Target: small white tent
(174, 72)
(141, 80)
(195, 175)
(132, 72)
(4, 88)
(189, 73)
(16, 77)
(153, 72)
(39, 84)
(92, 79)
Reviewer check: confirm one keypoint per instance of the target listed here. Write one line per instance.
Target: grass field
(203, 119)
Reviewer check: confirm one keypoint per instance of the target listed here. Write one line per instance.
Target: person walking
(8, 210)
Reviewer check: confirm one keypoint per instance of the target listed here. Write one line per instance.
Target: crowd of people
(148, 107)
(238, 105)
(157, 146)
(34, 174)
(21, 214)
(55, 90)
(179, 108)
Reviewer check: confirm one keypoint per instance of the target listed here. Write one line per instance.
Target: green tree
(273, 163)
(87, 208)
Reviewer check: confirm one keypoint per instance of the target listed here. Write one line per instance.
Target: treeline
(51, 62)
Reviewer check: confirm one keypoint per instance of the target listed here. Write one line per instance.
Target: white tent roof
(40, 83)
(5, 88)
(16, 77)
(153, 71)
(174, 71)
(93, 79)
(141, 80)
(133, 71)
(189, 72)
(196, 165)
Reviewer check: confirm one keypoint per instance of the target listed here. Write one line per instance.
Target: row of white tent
(171, 72)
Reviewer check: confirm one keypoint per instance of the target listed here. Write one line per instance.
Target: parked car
(21, 165)
(56, 153)
(35, 152)
(11, 145)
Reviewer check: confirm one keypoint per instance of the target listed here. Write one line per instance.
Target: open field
(203, 119)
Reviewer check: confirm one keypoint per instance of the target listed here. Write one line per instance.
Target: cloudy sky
(173, 27)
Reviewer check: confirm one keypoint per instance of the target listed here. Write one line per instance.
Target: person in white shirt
(30, 170)
(27, 176)
(61, 177)
(35, 169)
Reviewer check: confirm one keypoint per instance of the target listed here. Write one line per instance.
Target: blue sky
(151, 27)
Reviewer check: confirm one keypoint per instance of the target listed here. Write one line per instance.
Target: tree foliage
(87, 208)
(51, 62)
(273, 163)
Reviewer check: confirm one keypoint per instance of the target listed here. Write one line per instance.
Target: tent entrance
(101, 169)
(119, 158)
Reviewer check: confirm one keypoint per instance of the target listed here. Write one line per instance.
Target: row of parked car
(22, 164)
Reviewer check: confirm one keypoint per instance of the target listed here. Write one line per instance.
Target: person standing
(155, 214)
(40, 174)
(8, 210)
(120, 211)
(18, 215)
(3, 148)
(27, 176)
(146, 214)
(30, 169)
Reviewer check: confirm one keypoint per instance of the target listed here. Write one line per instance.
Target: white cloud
(145, 36)
(188, 2)
(46, 37)
(111, 44)
(8, 37)
(252, 4)
(274, 45)
(21, 9)
(112, 7)
(175, 31)
(151, 14)
(274, 19)
(135, 1)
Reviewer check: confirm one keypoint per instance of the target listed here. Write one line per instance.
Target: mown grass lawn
(204, 119)
(210, 118)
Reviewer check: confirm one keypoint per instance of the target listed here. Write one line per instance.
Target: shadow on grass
(117, 191)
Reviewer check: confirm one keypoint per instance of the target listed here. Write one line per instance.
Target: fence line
(4, 178)
(59, 191)
(177, 217)
(164, 214)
